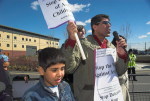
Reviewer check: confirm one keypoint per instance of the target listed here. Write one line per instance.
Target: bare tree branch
(125, 30)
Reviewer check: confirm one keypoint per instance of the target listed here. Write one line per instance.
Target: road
(141, 88)
(142, 85)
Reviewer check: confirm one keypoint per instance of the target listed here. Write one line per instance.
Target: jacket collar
(94, 42)
(102, 45)
(61, 86)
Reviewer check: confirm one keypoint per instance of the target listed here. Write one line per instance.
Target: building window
(15, 45)
(26, 39)
(0, 44)
(8, 45)
(22, 46)
(15, 37)
(34, 40)
(0, 35)
(47, 42)
(8, 36)
(22, 39)
(29, 39)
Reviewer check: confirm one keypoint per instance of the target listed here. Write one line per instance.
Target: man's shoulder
(89, 42)
(89, 38)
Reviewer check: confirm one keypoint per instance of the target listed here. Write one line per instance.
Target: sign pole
(80, 47)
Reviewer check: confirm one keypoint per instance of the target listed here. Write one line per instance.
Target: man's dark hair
(50, 56)
(80, 27)
(98, 18)
(130, 50)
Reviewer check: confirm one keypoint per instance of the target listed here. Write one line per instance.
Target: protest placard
(56, 12)
(107, 87)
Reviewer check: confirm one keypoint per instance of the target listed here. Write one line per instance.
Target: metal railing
(140, 89)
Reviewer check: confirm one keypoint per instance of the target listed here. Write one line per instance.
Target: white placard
(107, 87)
(56, 12)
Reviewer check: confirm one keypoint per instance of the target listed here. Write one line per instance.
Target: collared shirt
(101, 44)
(55, 90)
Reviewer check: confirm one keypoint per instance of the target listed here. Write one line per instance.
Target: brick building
(15, 42)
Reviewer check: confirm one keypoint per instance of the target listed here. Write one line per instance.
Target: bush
(24, 63)
(143, 58)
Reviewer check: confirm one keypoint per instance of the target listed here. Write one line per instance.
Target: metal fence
(139, 46)
(140, 89)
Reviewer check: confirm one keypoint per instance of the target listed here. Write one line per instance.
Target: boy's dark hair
(50, 56)
(97, 19)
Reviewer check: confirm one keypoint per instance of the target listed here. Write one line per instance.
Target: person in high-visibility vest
(132, 64)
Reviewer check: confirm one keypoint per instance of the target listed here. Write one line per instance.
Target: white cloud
(78, 7)
(148, 33)
(74, 7)
(83, 23)
(88, 21)
(88, 5)
(80, 23)
(89, 31)
(34, 5)
(148, 23)
(142, 36)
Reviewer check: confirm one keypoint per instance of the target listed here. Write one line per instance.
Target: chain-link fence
(140, 89)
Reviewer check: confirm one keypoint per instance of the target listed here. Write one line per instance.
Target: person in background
(26, 78)
(6, 94)
(132, 64)
(4, 59)
(50, 87)
(81, 34)
(83, 74)
(81, 31)
(124, 81)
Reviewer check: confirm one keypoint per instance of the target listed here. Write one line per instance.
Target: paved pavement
(140, 90)
(142, 85)
(139, 67)
(143, 66)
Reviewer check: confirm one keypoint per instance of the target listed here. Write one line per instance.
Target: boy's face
(53, 74)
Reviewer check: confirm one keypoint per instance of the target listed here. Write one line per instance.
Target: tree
(125, 30)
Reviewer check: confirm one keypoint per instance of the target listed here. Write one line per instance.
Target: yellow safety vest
(131, 62)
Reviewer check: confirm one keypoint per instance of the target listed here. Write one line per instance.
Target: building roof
(27, 32)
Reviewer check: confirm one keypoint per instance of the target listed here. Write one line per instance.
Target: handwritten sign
(107, 87)
(56, 12)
